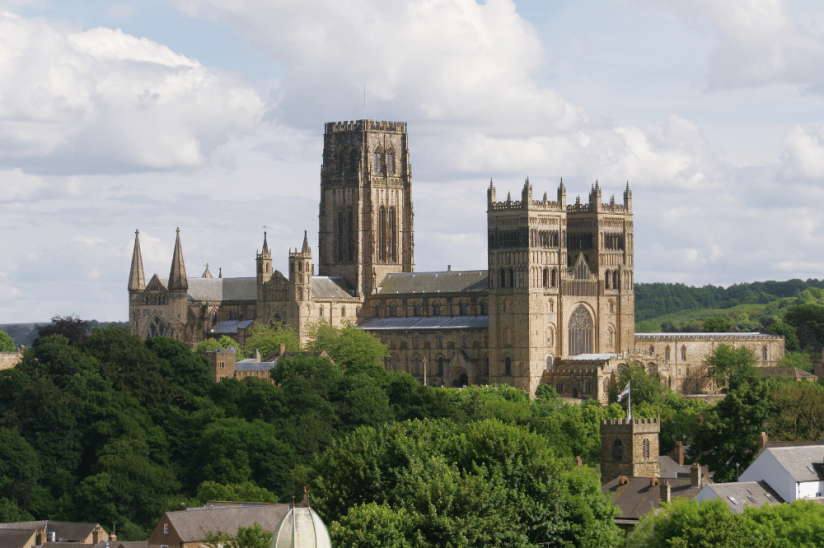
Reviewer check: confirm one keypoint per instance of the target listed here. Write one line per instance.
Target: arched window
(549, 363)
(617, 451)
(615, 280)
(393, 236)
(550, 306)
(610, 336)
(436, 308)
(587, 386)
(157, 328)
(554, 277)
(377, 311)
(683, 353)
(666, 353)
(440, 340)
(390, 162)
(382, 234)
(580, 332)
(651, 350)
(464, 308)
(416, 370)
(645, 449)
(764, 353)
(502, 279)
(343, 312)
(486, 366)
(378, 157)
(484, 308)
(607, 280)
(342, 161)
(393, 310)
(394, 361)
(300, 267)
(416, 309)
(510, 278)
(320, 311)
(350, 237)
(508, 366)
(440, 366)
(341, 236)
(353, 162)
(546, 278)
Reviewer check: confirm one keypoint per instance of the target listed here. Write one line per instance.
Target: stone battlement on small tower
(365, 125)
(636, 426)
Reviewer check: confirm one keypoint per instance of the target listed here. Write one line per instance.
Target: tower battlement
(365, 125)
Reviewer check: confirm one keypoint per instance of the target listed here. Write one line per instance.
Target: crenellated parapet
(365, 125)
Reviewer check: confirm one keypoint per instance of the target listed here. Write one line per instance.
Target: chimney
(762, 441)
(448, 267)
(281, 349)
(695, 476)
(678, 453)
(579, 461)
(666, 493)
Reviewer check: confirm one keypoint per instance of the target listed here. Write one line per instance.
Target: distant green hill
(665, 307)
(25, 333)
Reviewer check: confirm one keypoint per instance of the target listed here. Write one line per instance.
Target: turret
(490, 194)
(177, 274)
(628, 198)
(264, 263)
(562, 194)
(595, 197)
(526, 195)
(301, 270)
(137, 281)
(206, 273)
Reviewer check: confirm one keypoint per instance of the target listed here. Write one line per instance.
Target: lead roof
(431, 322)
(450, 281)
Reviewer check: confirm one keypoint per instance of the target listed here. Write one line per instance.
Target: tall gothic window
(508, 366)
(393, 236)
(440, 366)
(341, 236)
(645, 449)
(157, 328)
(464, 308)
(617, 451)
(382, 235)
(378, 157)
(353, 162)
(580, 332)
(390, 162)
(417, 366)
(436, 309)
(350, 236)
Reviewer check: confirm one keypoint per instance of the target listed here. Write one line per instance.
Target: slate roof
(738, 495)
(14, 538)
(123, 544)
(451, 281)
(638, 497)
(219, 289)
(246, 365)
(193, 524)
(331, 287)
(671, 469)
(230, 327)
(431, 322)
(800, 461)
(64, 530)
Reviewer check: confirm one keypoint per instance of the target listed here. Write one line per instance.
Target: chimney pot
(678, 453)
(666, 493)
(695, 476)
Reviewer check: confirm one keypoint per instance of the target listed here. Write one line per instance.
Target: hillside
(25, 333)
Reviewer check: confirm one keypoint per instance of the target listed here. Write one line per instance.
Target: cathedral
(555, 304)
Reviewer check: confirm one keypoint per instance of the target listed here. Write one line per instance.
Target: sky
(208, 115)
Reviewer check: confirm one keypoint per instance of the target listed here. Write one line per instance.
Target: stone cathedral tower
(560, 282)
(365, 203)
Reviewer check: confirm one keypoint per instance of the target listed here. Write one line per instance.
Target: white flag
(624, 393)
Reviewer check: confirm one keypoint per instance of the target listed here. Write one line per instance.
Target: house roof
(738, 495)
(803, 463)
(248, 365)
(450, 281)
(671, 469)
(638, 496)
(230, 327)
(123, 544)
(64, 530)
(430, 322)
(14, 538)
(193, 524)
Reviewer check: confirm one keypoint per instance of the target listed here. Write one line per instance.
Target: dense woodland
(99, 425)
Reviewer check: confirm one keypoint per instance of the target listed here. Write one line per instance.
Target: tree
(268, 338)
(731, 366)
(727, 440)
(246, 537)
(800, 360)
(644, 388)
(717, 324)
(225, 341)
(241, 492)
(807, 315)
(787, 331)
(70, 327)
(797, 410)
(6, 343)
(684, 523)
(348, 346)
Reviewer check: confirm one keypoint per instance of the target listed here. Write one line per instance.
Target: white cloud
(761, 42)
(804, 154)
(105, 101)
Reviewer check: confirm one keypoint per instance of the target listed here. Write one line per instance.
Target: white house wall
(767, 468)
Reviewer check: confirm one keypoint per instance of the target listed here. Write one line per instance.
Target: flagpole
(629, 402)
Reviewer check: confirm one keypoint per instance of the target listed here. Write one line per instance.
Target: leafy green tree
(787, 331)
(796, 525)
(225, 341)
(268, 338)
(685, 523)
(365, 402)
(797, 410)
(477, 484)
(800, 360)
(185, 371)
(807, 315)
(717, 324)
(71, 327)
(732, 366)
(644, 388)
(242, 492)
(6, 343)
(347, 346)
(727, 440)
(246, 537)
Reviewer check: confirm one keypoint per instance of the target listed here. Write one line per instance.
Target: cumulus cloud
(760, 42)
(102, 101)
(804, 154)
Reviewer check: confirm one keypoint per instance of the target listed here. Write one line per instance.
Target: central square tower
(365, 203)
